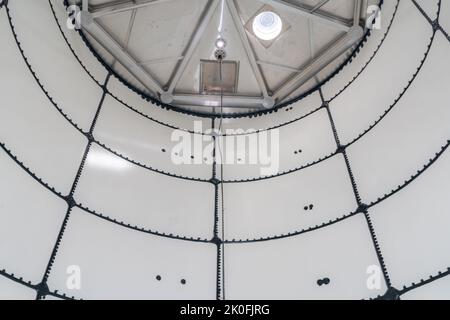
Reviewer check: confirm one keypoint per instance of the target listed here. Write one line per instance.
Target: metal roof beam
(85, 5)
(160, 60)
(319, 5)
(116, 50)
(337, 48)
(277, 66)
(357, 12)
(120, 6)
(206, 17)
(249, 51)
(229, 101)
(308, 11)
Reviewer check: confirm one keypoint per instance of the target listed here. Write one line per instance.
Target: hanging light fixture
(220, 53)
(220, 43)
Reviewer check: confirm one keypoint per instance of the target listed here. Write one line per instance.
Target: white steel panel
(169, 117)
(289, 147)
(412, 226)
(55, 66)
(385, 77)
(30, 125)
(430, 7)
(351, 70)
(10, 290)
(30, 217)
(290, 268)
(91, 63)
(116, 188)
(277, 206)
(148, 142)
(117, 263)
(410, 134)
(437, 290)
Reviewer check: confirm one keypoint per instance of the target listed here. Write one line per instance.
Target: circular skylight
(267, 25)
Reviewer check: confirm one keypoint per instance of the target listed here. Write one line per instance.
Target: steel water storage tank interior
(93, 182)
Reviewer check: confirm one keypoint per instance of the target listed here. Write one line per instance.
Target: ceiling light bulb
(267, 25)
(221, 43)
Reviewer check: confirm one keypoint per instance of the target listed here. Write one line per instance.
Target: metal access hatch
(210, 82)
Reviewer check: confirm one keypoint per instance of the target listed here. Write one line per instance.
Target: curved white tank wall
(88, 180)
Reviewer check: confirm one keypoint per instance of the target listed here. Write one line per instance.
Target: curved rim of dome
(231, 115)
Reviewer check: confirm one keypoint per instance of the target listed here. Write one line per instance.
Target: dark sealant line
(444, 32)
(426, 16)
(362, 208)
(43, 289)
(435, 24)
(423, 282)
(29, 285)
(216, 238)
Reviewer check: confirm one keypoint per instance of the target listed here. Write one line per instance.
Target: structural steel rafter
(353, 33)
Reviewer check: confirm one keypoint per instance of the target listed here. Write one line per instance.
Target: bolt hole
(324, 281)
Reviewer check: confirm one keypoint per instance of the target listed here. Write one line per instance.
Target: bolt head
(268, 102)
(166, 98)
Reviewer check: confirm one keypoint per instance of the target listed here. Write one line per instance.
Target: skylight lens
(267, 25)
